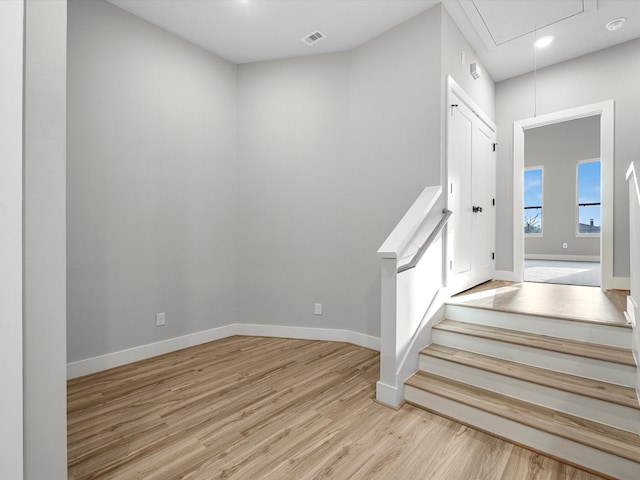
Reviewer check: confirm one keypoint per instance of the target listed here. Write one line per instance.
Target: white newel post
(387, 388)
(406, 297)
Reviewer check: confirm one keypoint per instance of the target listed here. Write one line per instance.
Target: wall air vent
(313, 37)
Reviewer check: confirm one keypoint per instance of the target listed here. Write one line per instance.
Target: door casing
(606, 112)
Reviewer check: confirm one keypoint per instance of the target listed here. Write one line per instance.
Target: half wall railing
(633, 312)
(412, 259)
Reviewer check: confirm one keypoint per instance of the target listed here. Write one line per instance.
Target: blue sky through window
(589, 192)
(533, 198)
(533, 187)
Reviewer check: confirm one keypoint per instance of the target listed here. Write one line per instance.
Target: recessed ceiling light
(616, 24)
(543, 42)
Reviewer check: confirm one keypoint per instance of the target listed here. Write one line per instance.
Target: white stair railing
(412, 260)
(633, 312)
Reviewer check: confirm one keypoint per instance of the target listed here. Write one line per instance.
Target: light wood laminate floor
(267, 408)
(572, 302)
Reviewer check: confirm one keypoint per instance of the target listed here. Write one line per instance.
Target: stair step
(602, 437)
(618, 355)
(608, 392)
(613, 334)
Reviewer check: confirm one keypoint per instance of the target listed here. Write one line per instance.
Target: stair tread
(608, 392)
(603, 437)
(607, 353)
(607, 322)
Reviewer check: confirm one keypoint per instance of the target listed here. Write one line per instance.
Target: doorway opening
(563, 189)
(562, 217)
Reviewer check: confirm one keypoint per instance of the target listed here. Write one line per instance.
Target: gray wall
(394, 147)
(482, 90)
(333, 149)
(45, 390)
(558, 148)
(293, 131)
(170, 211)
(151, 183)
(604, 75)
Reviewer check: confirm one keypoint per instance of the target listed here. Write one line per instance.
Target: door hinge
(493, 202)
(450, 264)
(493, 256)
(494, 146)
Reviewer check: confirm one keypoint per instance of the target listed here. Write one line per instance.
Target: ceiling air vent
(313, 37)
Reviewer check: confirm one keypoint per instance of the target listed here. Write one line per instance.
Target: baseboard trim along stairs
(567, 390)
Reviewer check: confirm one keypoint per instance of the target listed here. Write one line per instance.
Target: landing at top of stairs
(568, 302)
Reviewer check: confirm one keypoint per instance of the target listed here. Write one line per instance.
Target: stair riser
(615, 415)
(586, 367)
(580, 331)
(544, 442)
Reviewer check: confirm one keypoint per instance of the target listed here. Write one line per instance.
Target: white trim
(562, 258)
(619, 283)
(389, 395)
(397, 242)
(455, 89)
(506, 276)
(11, 240)
(123, 357)
(308, 333)
(606, 112)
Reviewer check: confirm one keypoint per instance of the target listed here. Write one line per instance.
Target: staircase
(563, 387)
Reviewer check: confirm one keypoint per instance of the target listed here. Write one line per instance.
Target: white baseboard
(122, 357)
(506, 276)
(562, 258)
(389, 395)
(619, 283)
(308, 333)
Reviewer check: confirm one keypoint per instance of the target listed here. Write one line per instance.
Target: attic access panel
(506, 20)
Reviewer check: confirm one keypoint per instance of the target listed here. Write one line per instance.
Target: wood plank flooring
(267, 408)
(570, 302)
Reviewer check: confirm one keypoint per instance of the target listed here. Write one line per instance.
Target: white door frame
(11, 331)
(606, 112)
(455, 93)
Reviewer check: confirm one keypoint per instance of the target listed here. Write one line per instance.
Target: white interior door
(471, 181)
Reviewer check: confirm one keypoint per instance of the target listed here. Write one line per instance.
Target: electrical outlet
(565, 245)
(318, 309)
(160, 319)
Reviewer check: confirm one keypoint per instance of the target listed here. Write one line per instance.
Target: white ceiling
(500, 31)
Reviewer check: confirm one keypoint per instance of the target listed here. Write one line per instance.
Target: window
(533, 201)
(589, 198)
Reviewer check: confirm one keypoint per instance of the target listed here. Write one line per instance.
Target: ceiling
(500, 31)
